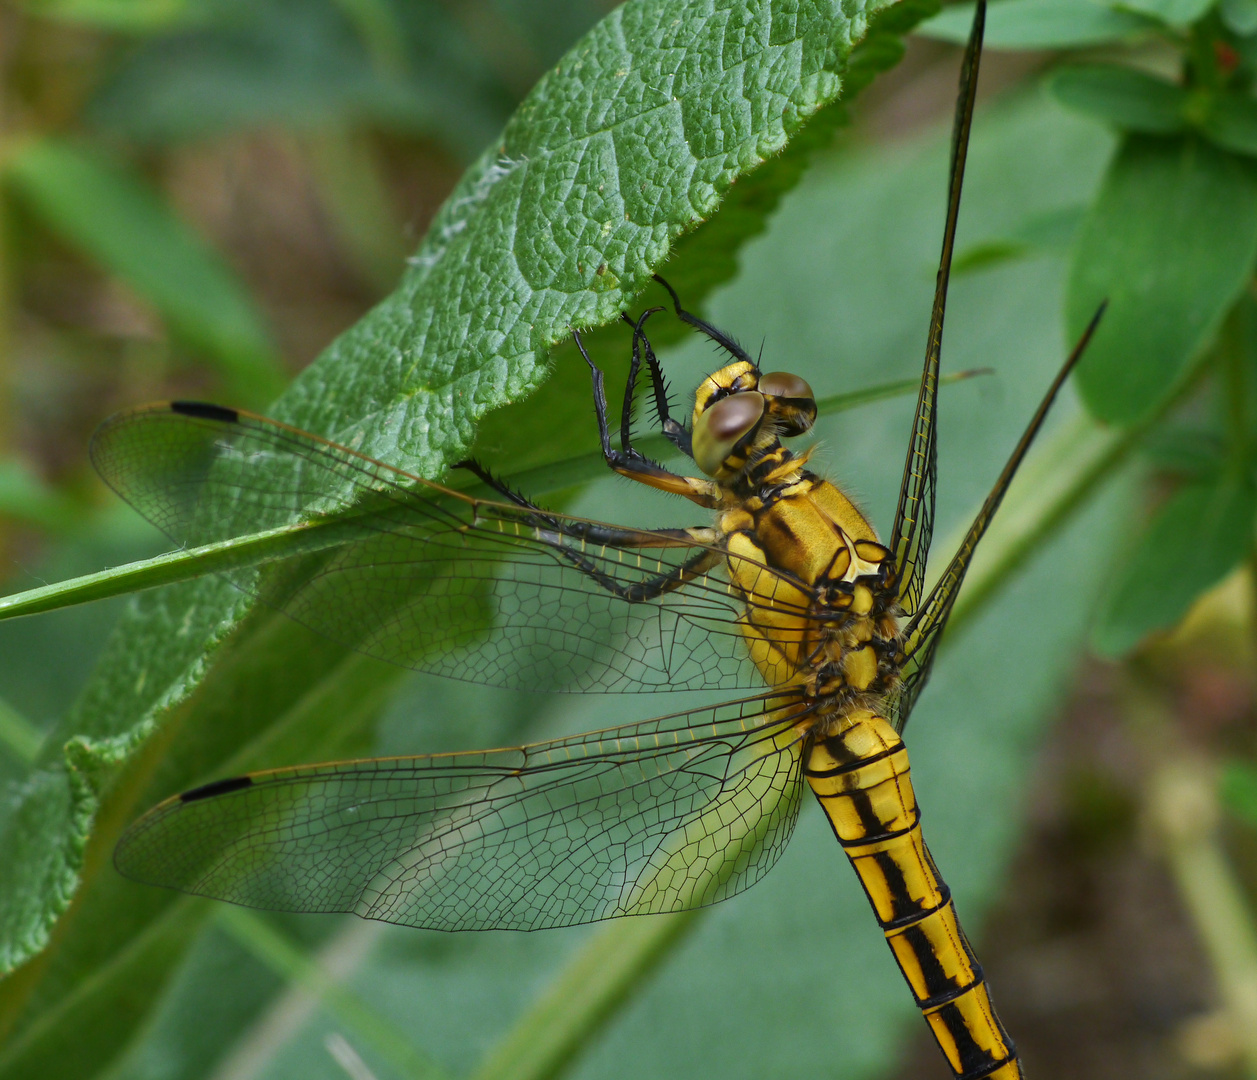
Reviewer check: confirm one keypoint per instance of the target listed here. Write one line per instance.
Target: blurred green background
(196, 198)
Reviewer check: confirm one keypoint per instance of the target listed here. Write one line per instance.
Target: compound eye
(793, 406)
(784, 385)
(720, 428)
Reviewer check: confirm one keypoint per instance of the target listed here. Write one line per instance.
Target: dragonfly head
(739, 410)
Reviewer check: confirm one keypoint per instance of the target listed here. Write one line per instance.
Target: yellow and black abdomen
(860, 775)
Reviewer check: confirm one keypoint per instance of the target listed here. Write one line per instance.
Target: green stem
(190, 563)
(165, 569)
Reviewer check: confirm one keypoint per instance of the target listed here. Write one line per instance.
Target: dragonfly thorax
(821, 611)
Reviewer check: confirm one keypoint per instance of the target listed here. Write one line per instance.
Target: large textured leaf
(1170, 243)
(630, 141)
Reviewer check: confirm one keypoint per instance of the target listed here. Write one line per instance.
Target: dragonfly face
(785, 584)
(740, 414)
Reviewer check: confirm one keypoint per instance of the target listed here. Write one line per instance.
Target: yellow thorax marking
(860, 567)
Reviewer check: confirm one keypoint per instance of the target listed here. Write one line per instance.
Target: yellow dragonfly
(785, 592)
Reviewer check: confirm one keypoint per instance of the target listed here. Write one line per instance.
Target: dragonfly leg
(673, 431)
(703, 327)
(632, 463)
(556, 530)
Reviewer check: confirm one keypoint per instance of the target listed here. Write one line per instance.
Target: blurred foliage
(196, 197)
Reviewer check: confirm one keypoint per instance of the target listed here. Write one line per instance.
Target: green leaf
(1119, 95)
(1230, 121)
(1176, 13)
(1170, 243)
(708, 256)
(1240, 16)
(629, 142)
(121, 223)
(1041, 24)
(1191, 543)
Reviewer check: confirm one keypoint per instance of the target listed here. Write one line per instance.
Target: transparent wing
(426, 577)
(924, 631)
(665, 815)
(914, 516)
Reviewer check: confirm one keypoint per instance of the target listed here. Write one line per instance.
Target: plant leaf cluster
(1169, 241)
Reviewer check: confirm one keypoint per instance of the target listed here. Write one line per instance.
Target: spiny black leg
(591, 532)
(673, 431)
(630, 388)
(633, 463)
(600, 403)
(722, 339)
(485, 477)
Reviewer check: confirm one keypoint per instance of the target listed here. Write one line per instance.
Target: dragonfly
(784, 593)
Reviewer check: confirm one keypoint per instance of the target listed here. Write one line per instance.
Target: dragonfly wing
(669, 814)
(919, 649)
(423, 576)
(914, 516)
(925, 629)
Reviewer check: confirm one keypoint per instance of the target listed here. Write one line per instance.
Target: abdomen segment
(860, 775)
